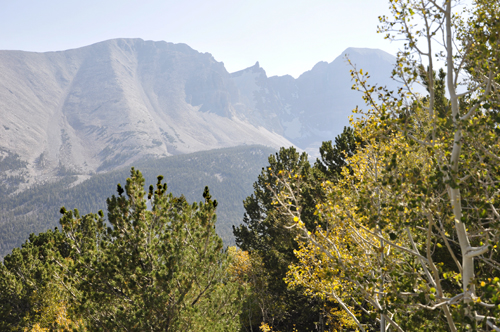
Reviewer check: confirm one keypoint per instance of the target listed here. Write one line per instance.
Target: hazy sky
(285, 36)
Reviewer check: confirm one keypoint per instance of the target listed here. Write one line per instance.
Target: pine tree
(30, 292)
(269, 242)
(161, 268)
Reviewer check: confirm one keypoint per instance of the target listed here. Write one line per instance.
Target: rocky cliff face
(109, 104)
(316, 106)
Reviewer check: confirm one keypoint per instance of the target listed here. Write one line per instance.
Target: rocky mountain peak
(101, 106)
(108, 104)
(255, 69)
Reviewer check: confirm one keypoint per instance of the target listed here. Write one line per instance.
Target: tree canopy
(394, 228)
(154, 264)
(271, 244)
(409, 233)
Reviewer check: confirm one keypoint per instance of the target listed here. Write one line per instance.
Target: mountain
(229, 173)
(101, 106)
(110, 104)
(316, 106)
(73, 122)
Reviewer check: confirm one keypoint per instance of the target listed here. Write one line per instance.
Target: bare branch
(476, 251)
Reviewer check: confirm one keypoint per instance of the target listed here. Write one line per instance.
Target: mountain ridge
(69, 118)
(103, 105)
(315, 106)
(91, 109)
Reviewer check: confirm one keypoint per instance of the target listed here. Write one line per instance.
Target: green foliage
(333, 157)
(11, 175)
(24, 273)
(10, 161)
(155, 264)
(229, 173)
(150, 269)
(264, 235)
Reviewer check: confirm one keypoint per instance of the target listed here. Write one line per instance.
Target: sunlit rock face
(109, 104)
(102, 106)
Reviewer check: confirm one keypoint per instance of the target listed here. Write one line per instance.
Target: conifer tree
(161, 268)
(30, 291)
(269, 242)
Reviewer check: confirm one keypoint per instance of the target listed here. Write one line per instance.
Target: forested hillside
(229, 173)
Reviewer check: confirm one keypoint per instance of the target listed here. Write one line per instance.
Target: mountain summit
(109, 104)
(65, 116)
(105, 105)
(314, 107)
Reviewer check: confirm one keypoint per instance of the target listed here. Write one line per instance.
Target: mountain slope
(71, 120)
(229, 173)
(108, 104)
(316, 106)
(98, 107)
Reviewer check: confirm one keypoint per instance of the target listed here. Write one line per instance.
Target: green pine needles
(155, 264)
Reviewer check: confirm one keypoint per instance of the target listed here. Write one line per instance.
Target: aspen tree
(423, 191)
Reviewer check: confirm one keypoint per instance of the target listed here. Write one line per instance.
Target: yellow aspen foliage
(248, 271)
(51, 313)
(339, 320)
(36, 328)
(342, 259)
(406, 239)
(60, 323)
(241, 265)
(264, 327)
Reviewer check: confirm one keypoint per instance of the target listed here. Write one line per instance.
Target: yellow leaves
(37, 328)
(346, 247)
(55, 318)
(240, 263)
(339, 320)
(264, 327)
(52, 311)
(296, 219)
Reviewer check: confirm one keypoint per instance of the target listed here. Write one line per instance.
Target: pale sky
(285, 36)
